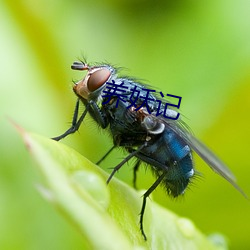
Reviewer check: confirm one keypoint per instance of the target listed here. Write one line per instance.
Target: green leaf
(107, 215)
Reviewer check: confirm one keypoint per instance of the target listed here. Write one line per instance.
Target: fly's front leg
(97, 114)
(75, 123)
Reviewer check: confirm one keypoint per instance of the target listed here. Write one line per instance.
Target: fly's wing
(206, 154)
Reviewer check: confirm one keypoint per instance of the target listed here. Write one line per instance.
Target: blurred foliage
(102, 213)
(197, 50)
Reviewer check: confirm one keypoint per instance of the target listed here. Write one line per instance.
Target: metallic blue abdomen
(169, 154)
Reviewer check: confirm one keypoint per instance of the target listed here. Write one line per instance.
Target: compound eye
(97, 79)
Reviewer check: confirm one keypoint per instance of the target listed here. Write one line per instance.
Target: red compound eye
(97, 79)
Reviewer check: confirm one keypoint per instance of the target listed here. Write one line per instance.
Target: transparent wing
(206, 154)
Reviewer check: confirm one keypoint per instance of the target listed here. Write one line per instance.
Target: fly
(149, 130)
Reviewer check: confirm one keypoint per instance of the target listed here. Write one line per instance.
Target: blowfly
(146, 125)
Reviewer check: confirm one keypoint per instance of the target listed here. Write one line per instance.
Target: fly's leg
(91, 107)
(98, 115)
(105, 155)
(75, 124)
(136, 167)
(145, 196)
(124, 161)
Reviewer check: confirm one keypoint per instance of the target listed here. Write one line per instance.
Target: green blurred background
(199, 50)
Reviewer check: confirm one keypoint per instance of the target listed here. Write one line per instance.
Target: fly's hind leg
(145, 196)
(135, 169)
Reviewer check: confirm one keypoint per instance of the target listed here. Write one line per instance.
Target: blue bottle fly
(143, 123)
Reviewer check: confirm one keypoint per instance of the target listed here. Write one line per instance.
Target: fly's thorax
(153, 125)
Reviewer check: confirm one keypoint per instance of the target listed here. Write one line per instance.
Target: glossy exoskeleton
(163, 144)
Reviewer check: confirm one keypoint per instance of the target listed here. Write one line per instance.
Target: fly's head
(90, 86)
